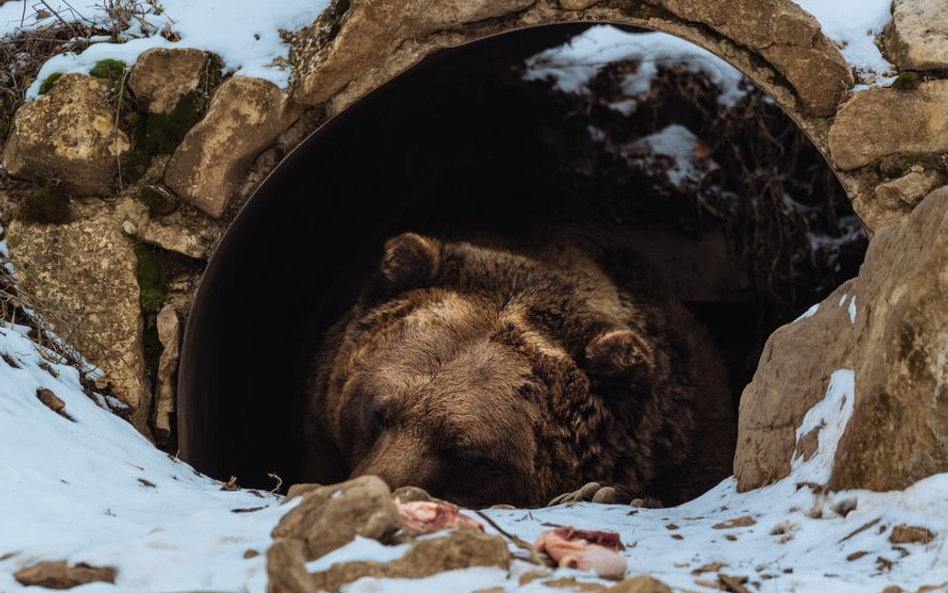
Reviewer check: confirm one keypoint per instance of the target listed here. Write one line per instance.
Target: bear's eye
(376, 418)
(464, 457)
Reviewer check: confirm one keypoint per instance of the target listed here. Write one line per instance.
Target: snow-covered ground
(91, 489)
(245, 33)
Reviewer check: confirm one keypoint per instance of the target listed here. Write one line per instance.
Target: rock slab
(917, 36)
(60, 575)
(162, 77)
(70, 135)
(331, 516)
(245, 116)
(84, 273)
(898, 433)
(169, 334)
(887, 122)
(890, 325)
(793, 374)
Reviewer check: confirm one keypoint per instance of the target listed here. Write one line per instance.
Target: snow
(808, 313)
(677, 142)
(96, 491)
(575, 64)
(360, 549)
(830, 417)
(853, 26)
(245, 33)
(852, 306)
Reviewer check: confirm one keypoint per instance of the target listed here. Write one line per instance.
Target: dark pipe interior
(448, 146)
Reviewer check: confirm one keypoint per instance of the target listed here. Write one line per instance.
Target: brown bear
(486, 374)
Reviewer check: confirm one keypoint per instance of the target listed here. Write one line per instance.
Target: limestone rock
(793, 374)
(245, 116)
(784, 34)
(84, 273)
(640, 584)
(190, 236)
(917, 36)
(898, 432)
(892, 201)
(461, 549)
(162, 77)
(299, 490)
(909, 189)
(886, 122)
(68, 134)
(60, 575)
(169, 334)
(286, 567)
(332, 516)
(894, 337)
(905, 534)
(349, 37)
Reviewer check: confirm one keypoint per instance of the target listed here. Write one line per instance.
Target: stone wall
(165, 155)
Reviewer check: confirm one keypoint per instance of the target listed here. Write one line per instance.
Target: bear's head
(477, 374)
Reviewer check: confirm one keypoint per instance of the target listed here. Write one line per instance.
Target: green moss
(906, 81)
(165, 131)
(151, 347)
(158, 202)
(114, 70)
(155, 270)
(49, 81)
(134, 164)
(215, 72)
(48, 205)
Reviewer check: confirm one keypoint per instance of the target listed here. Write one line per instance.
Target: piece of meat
(427, 517)
(596, 551)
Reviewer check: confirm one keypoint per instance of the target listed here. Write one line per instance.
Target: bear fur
(490, 374)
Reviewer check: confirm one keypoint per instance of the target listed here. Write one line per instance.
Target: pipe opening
(713, 185)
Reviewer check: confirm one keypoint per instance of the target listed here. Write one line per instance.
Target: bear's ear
(620, 358)
(410, 261)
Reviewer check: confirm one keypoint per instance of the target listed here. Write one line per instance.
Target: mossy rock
(158, 201)
(155, 270)
(164, 132)
(134, 165)
(47, 205)
(906, 81)
(215, 72)
(158, 133)
(48, 82)
(114, 70)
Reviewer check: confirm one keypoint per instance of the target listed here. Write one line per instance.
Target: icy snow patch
(852, 309)
(244, 33)
(830, 416)
(572, 66)
(360, 549)
(808, 313)
(854, 25)
(677, 142)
